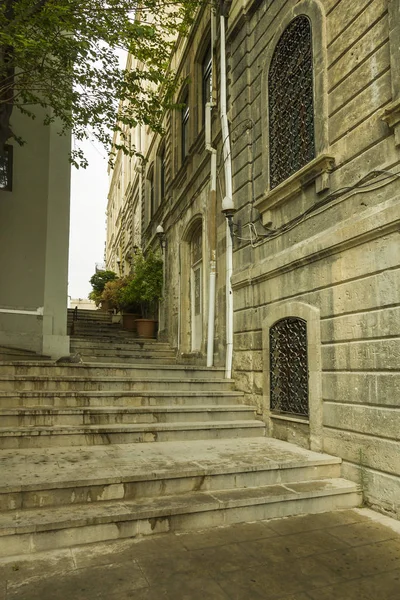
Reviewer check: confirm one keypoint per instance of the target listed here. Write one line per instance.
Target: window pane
(207, 81)
(162, 173)
(291, 102)
(185, 127)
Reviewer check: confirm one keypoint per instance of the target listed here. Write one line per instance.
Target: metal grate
(291, 102)
(289, 367)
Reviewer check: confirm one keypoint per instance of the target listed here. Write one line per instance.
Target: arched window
(163, 169)
(206, 87)
(150, 192)
(289, 366)
(291, 102)
(185, 126)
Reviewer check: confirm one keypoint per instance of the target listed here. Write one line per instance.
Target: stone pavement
(345, 555)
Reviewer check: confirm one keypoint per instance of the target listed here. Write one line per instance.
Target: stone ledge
(391, 116)
(317, 170)
(289, 418)
(370, 224)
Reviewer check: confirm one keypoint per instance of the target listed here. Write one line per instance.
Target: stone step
(87, 311)
(129, 358)
(98, 327)
(120, 341)
(8, 354)
(71, 476)
(101, 317)
(50, 437)
(109, 415)
(33, 530)
(131, 398)
(110, 354)
(101, 370)
(74, 383)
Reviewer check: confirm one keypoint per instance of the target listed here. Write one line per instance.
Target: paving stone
(229, 557)
(243, 584)
(227, 535)
(299, 545)
(363, 561)
(296, 566)
(310, 522)
(87, 584)
(160, 569)
(357, 534)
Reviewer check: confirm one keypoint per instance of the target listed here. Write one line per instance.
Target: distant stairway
(97, 339)
(105, 450)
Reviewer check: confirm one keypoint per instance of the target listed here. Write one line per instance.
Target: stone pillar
(34, 236)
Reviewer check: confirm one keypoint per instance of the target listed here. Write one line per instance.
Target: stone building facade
(311, 246)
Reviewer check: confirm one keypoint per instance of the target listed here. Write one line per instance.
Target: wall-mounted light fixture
(229, 210)
(162, 238)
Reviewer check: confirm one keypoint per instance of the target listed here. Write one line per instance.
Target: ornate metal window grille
(289, 367)
(291, 102)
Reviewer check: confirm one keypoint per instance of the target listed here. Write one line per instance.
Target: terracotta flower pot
(129, 321)
(146, 328)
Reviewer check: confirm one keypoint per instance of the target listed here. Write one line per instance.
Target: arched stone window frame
(196, 222)
(311, 315)
(150, 196)
(319, 168)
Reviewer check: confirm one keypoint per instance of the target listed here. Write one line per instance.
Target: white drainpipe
(212, 215)
(227, 205)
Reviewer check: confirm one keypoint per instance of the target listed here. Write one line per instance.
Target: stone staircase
(112, 449)
(97, 339)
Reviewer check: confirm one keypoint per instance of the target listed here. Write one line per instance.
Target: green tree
(98, 282)
(61, 55)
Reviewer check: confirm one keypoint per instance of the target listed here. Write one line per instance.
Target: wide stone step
(71, 476)
(8, 354)
(49, 437)
(49, 416)
(99, 328)
(130, 358)
(102, 370)
(85, 313)
(119, 343)
(131, 398)
(33, 530)
(75, 383)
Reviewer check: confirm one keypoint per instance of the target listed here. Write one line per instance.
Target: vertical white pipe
(213, 267)
(212, 208)
(228, 201)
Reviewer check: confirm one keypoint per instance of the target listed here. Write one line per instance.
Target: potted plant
(128, 304)
(111, 296)
(98, 282)
(145, 289)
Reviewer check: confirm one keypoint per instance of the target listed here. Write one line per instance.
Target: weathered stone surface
(361, 388)
(364, 355)
(376, 421)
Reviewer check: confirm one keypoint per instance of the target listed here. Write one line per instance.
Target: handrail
(74, 318)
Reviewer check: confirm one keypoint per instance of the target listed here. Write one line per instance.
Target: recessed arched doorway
(196, 288)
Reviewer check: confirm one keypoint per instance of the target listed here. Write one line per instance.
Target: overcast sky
(89, 189)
